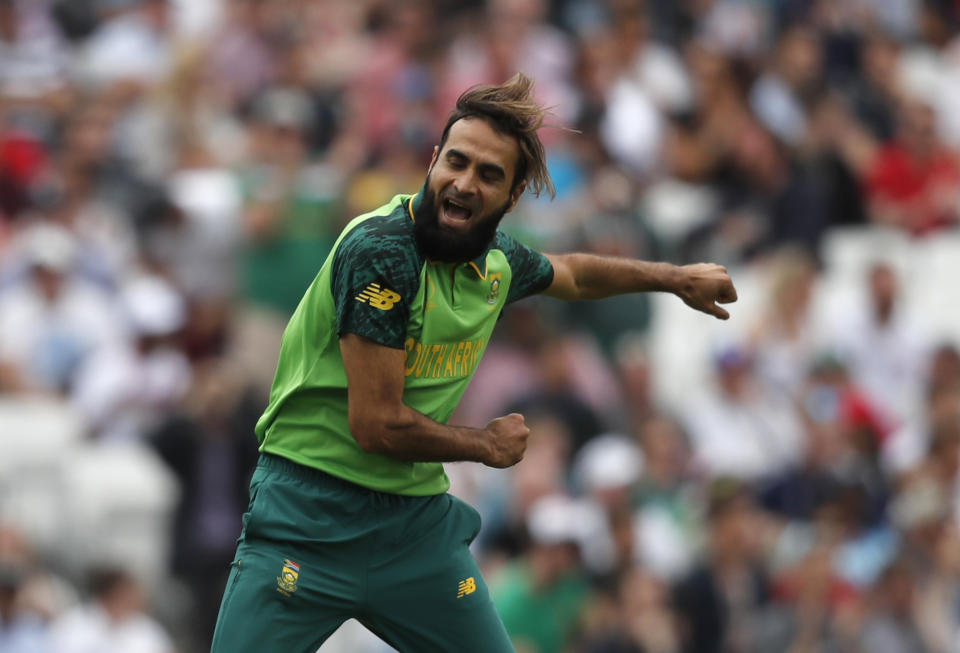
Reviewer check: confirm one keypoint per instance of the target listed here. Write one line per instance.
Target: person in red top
(914, 181)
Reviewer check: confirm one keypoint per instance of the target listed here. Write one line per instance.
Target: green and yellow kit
(332, 531)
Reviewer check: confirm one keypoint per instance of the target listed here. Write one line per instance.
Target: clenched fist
(703, 285)
(507, 440)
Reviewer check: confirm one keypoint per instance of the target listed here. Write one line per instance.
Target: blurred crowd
(174, 172)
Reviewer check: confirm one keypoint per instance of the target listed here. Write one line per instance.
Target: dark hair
(512, 110)
(724, 494)
(103, 581)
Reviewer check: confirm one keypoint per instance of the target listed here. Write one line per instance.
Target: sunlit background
(173, 174)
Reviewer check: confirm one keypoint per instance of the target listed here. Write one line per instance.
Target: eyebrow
(484, 167)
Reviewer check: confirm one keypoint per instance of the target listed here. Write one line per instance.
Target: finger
(727, 294)
(718, 312)
(727, 297)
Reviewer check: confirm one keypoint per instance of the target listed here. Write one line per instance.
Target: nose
(465, 183)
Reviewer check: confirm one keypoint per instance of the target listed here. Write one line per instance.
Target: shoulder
(378, 247)
(385, 234)
(510, 245)
(521, 257)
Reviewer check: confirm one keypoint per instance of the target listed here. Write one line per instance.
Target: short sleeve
(532, 272)
(375, 278)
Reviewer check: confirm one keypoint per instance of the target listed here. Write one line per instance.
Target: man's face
(468, 190)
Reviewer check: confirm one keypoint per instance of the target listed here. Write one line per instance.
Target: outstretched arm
(586, 276)
(381, 423)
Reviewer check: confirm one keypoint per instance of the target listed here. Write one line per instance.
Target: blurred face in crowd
(945, 367)
(48, 281)
(794, 278)
(8, 20)
(734, 533)
(89, 135)
(880, 62)
(469, 188)
(550, 562)
(897, 590)
(918, 128)
(800, 57)
(664, 450)
(734, 370)
(642, 592)
(883, 290)
(123, 599)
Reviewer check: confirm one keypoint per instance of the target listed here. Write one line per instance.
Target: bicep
(375, 378)
(564, 285)
(375, 375)
(373, 281)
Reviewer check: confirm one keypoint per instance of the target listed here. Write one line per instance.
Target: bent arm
(586, 276)
(383, 424)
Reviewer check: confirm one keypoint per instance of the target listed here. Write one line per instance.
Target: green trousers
(317, 550)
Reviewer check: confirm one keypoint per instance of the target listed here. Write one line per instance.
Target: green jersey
(375, 283)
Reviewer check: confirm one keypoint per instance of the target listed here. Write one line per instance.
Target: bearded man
(349, 514)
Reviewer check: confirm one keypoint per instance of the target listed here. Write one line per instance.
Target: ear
(433, 157)
(515, 195)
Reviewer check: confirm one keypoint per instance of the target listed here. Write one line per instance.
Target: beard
(439, 243)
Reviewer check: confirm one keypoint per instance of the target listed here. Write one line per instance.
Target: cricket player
(349, 514)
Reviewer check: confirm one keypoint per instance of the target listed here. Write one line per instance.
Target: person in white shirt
(51, 319)
(113, 622)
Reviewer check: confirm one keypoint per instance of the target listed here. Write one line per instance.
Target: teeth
(450, 204)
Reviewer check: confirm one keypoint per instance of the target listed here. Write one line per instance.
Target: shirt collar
(479, 264)
(413, 205)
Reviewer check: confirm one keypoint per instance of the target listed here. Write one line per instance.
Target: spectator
(719, 601)
(125, 389)
(891, 628)
(781, 96)
(209, 449)
(665, 499)
(20, 631)
(785, 337)
(114, 621)
(51, 319)
(540, 599)
(605, 470)
(884, 346)
(645, 621)
(30, 596)
(131, 45)
(742, 429)
(913, 182)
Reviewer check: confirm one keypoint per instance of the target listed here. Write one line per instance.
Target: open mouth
(455, 212)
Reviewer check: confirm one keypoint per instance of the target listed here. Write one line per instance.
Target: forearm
(412, 436)
(596, 277)
(585, 276)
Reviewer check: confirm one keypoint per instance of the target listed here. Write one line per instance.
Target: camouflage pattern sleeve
(532, 271)
(376, 275)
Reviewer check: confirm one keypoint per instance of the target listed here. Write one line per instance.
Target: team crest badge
(494, 293)
(287, 580)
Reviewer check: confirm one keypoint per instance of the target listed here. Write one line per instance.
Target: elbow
(373, 431)
(369, 434)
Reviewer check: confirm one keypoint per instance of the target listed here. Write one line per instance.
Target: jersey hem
(342, 474)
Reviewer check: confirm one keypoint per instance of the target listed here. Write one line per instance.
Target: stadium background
(173, 173)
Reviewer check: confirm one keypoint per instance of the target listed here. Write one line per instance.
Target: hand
(507, 439)
(702, 285)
